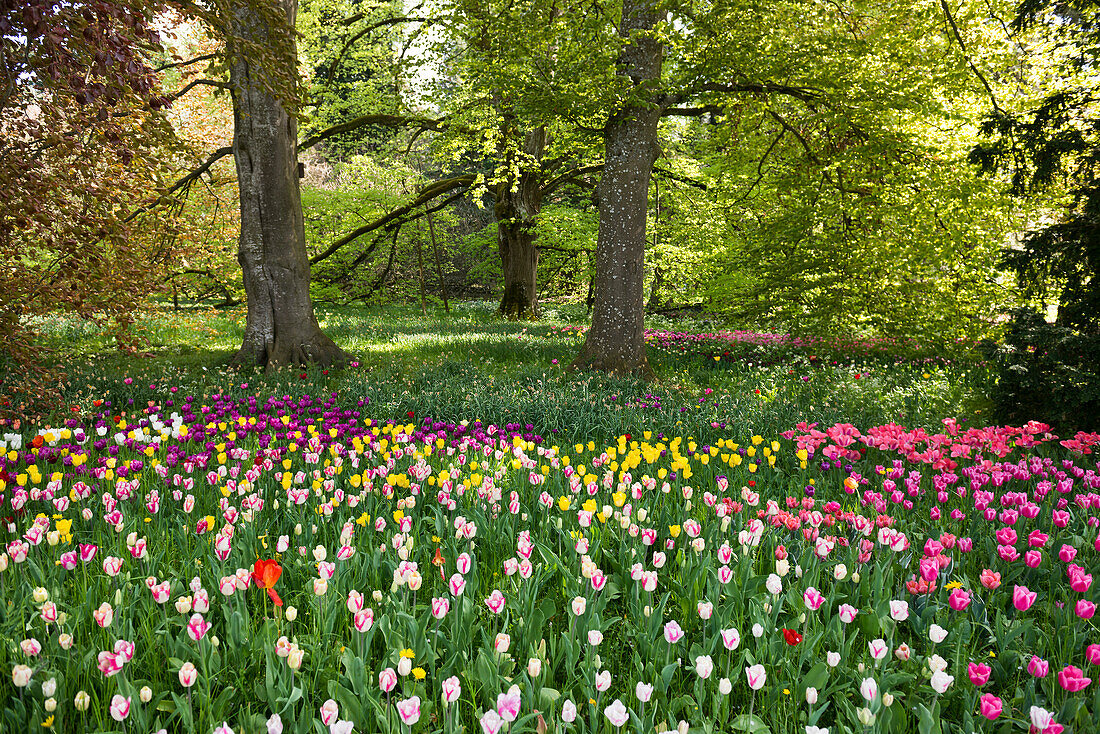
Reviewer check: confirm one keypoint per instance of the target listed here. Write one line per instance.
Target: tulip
(959, 599)
(452, 689)
(409, 710)
(104, 615)
(774, 584)
(704, 666)
(1038, 667)
(941, 681)
(1085, 609)
(568, 711)
(869, 689)
(813, 599)
(603, 680)
(1092, 654)
(903, 652)
(595, 637)
(978, 673)
(673, 633)
(21, 676)
(534, 667)
(936, 633)
(197, 627)
(878, 648)
(847, 613)
(617, 713)
(188, 675)
(120, 708)
(502, 642)
(508, 704)
(440, 607)
(811, 695)
(990, 579)
(990, 706)
(491, 722)
(579, 604)
(1073, 679)
(1041, 719)
(899, 610)
(731, 638)
(457, 584)
(1022, 599)
(756, 676)
(387, 680)
(81, 701)
(832, 659)
(643, 692)
(495, 601)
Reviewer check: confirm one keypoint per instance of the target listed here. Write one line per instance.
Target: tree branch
(354, 39)
(966, 55)
(196, 82)
(176, 64)
(425, 195)
(216, 156)
(680, 178)
(555, 183)
(425, 123)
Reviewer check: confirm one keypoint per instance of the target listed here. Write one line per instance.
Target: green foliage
(1057, 144)
(1048, 373)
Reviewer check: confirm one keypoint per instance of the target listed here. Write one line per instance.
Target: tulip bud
(82, 701)
(50, 705)
(887, 699)
(811, 696)
(291, 614)
(145, 694)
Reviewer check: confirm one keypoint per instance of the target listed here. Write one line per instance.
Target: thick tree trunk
(615, 341)
(518, 202)
(281, 328)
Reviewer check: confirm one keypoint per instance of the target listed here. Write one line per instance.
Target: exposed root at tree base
(321, 351)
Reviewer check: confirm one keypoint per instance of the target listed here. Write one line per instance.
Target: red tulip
(266, 572)
(792, 637)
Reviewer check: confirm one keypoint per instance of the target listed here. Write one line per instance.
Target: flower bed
(290, 565)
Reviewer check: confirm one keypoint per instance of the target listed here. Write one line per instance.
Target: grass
(471, 365)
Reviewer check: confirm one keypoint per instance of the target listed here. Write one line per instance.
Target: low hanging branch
(555, 183)
(426, 194)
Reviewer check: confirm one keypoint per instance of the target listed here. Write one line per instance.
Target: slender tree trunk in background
(615, 341)
(518, 202)
(281, 327)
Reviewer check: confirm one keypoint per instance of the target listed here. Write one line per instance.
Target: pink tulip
(1085, 609)
(847, 613)
(491, 722)
(87, 552)
(990, 706)
(990, 579)
(409, 710)
(959, 599)
(731, 638)
(1033, 558)
(120, 708)
(463, 563)
(125, 649)
(188, 675)
(330, 712)
(1092, 654)
(1037, 539)
(109, 663)
(603, 680)
(979, 673)
(1022, 599)
(1038, 667)
(1067, 553)
(495, 601)
(813, 599)
(452, 689)
(363, 620)
(756, 676)
(440, 607)
(1073, 679)
(673, 633)
(197, 627)
(508, 704)
(457, 585)
(878, 649)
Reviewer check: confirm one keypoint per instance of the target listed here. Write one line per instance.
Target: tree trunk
(518, 202)
(615, 341)
(281, 328)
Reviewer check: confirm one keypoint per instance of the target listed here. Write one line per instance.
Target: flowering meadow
(259, 563)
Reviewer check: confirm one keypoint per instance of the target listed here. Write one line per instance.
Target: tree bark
(281, 327)
(518, 202)
(615, 341)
